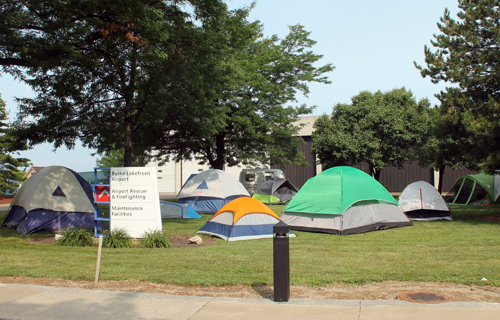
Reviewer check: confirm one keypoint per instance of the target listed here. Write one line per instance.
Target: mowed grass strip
(463, 251)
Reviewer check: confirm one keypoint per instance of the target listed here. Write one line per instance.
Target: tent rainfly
(52, 200)
(210, 190)
(171, 210)
(474, 188)
(275, 191)
(421, 201)
(242, 219)
(343, 200)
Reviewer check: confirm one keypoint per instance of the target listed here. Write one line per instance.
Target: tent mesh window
(479, 194)
(450, 196)
(58, 192)
(465, 192)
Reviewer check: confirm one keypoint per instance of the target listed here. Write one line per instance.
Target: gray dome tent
(54, 199)
(210, 190)
(421, 201)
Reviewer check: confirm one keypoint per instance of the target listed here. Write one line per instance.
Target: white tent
(496, 180)
(421, 201)
(210, 190)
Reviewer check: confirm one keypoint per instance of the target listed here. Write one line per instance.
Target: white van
(252, 178)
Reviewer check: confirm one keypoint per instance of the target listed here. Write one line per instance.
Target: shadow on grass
(476, 214)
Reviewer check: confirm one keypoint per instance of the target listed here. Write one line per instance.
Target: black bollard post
(281, 259)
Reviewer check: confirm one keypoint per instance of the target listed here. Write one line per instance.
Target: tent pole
(421, 203)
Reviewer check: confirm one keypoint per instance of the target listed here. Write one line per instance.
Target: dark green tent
(275, 191)
(472, 189)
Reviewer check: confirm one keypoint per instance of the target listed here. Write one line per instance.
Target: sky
(373, 45)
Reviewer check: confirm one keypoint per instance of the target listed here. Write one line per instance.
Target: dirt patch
(41, 240)
(388, 290)
(178, 241)
(490, 218)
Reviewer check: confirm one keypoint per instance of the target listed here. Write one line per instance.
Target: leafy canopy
(378, 128)
(447, 145)
(10, 172)
(106, 72)
(115, 158)
(255, 84)
(467, 56)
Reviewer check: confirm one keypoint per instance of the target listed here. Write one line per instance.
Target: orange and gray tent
(421, 201)
(242, 219)
(275, 191)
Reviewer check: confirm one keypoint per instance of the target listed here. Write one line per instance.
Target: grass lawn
(462, 251)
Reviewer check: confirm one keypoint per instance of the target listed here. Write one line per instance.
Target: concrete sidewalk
(38, 302)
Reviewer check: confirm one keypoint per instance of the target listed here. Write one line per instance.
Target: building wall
(166, 176)
(172, 176)
(393, 179)
(298, 175)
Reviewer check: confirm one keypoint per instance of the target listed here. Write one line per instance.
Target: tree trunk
(374, 172)
(441, 176)
(127, 158)
(220, 152)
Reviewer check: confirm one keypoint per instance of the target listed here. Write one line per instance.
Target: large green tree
(381, 129)
(10, 172)
(447, 145)
(255, 86)
(467, 56)
(114, 158)
(107, 72)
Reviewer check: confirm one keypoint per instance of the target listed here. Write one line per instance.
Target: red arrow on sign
(102, 194)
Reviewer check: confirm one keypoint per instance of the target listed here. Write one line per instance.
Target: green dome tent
(474, 188)
(343, 200)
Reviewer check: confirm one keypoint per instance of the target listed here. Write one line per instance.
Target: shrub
(118, 238)
(76, 238)
(155, 239)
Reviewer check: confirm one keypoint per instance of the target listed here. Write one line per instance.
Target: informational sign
(135, 200)
(102, 194)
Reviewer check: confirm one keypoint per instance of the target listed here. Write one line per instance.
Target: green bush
(76, 238)
(155, 239)
(118, 238)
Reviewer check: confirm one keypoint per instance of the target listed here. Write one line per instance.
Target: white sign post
(134, 200)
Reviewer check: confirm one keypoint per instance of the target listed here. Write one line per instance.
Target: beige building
(172, 175)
